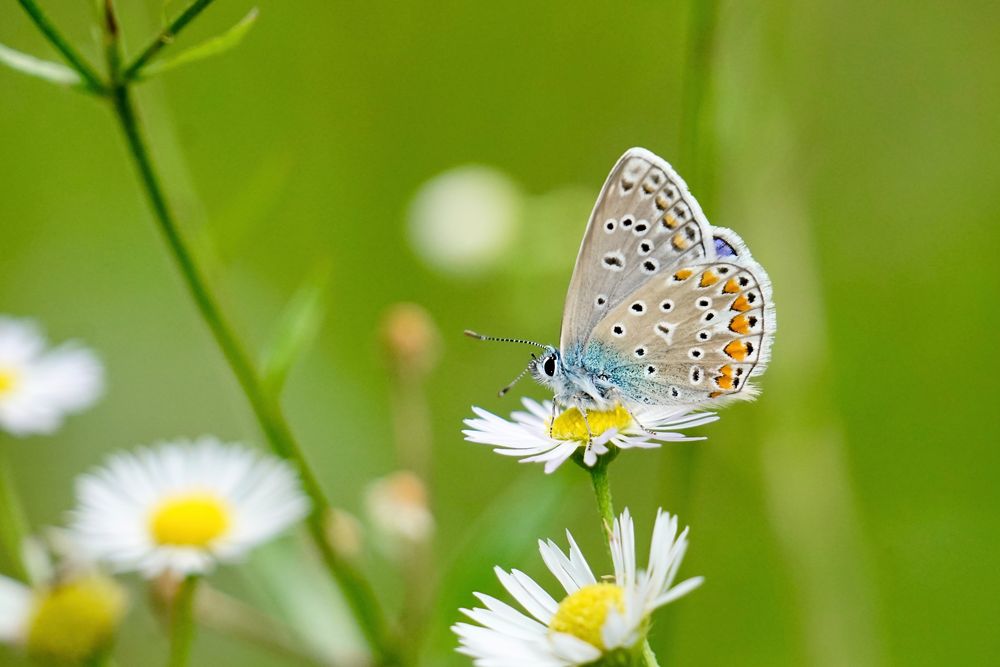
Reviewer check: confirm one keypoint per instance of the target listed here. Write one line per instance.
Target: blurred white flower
(39, 386)
(397, 505)
(529, 436)
(598, 617)
(180, 507)
(68, 621)
(464, 220)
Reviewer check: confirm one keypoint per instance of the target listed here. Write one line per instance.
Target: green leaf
(296, 330)
(208, 48)
(38, 68)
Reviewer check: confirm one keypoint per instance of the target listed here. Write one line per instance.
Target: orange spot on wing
(736, 349)
(731, 286)
(715, 394)
(669, 221)
(740, 325)
(662, 202)
(683, 274)
(726, 381)
(678, 241)
(741, 304)
(708, 278)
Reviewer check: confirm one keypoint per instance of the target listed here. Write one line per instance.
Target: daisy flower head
(68, 621)
(181, 507)
(39, 387)
(597, 619)
(534, 436)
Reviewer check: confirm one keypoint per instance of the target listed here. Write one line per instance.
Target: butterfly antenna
(478, 336)
(503, 392)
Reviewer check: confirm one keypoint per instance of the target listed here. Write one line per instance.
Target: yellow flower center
(570, 425)
(582, 614)
(8, 380)
(191, 520)
(74, 621)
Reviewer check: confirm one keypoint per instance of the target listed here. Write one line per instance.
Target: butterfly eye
(549, 366)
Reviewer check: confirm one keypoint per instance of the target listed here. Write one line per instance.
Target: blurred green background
(848, 517)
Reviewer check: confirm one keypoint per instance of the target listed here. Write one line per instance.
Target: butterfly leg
(581, 401)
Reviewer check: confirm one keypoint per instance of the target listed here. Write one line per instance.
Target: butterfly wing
(697, 334)
(644, 224)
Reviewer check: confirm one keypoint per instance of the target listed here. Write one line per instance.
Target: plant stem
(605, 505)
(13, 525)
(606, 508)
(164, 37)
(182, 622)
(92, 81)
(356, 589)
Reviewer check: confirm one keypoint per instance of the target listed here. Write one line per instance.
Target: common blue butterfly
(663, 308)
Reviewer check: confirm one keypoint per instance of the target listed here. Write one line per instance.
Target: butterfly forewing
(696, 334)
(645, 224)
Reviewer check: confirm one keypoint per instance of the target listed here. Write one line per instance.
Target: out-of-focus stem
(13, 525)
(165, 37)
(182, 623)
(91, 79)
(356, 589)
(218, 612)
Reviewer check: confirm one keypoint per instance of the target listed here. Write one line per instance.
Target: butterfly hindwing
(694, 335)
(644, 225)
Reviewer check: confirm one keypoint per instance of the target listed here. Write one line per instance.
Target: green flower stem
(13, 525)
(165, 37)
(605, 505)
(356, 589)
(182, 624)
(91, 79)
(606, 508)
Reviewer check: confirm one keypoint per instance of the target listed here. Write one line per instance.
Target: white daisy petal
(39, 387)
(595, 617)
(527, 433)
(182, 507)
(15, 610)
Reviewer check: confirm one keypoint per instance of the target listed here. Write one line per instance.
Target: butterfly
(663, 308)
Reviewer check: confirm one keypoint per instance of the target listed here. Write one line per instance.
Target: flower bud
(410, 339)
(397, 505)
(75, 620)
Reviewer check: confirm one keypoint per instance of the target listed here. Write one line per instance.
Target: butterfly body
(584, 378)
(663, 308)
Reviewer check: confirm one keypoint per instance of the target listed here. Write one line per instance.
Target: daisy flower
(39, 386)
(70, 621)
(180, 507)
(598, 618)
(528, 435)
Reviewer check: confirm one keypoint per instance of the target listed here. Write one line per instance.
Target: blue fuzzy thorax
(592, 377)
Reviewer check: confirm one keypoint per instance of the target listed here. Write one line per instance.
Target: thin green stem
(605, 505)
(13, 524)
(182, 624)
(91, 80)
(357, 591)
(606, 508)
(165, 37)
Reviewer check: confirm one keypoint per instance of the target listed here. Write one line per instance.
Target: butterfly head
(546, 368)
